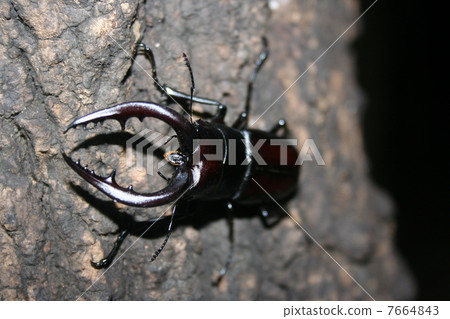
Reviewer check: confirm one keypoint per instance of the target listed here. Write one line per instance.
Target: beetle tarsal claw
(179, 183)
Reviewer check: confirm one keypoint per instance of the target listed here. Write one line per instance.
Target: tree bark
(60, 60)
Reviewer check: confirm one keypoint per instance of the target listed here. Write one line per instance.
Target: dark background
(403, 134)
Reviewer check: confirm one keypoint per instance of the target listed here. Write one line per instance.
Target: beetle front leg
(106, 261)
(149, 55)
(281, 125)
(242, 121)
(177, 95)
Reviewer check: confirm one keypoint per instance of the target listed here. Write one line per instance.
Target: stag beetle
(201, 179)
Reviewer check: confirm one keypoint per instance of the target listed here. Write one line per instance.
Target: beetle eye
(174, 158)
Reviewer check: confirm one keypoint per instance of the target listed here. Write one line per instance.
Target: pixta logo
(147, 142)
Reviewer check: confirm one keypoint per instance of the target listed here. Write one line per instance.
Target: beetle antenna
(186, 61)
(169, 232)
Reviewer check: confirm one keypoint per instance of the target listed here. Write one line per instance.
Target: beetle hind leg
(225, 267)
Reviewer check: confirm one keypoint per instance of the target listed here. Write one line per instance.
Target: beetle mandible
(201, 179)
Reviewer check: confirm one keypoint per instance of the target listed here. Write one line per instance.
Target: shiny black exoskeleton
(196, 178)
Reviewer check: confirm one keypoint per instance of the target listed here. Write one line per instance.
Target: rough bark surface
(60, 60)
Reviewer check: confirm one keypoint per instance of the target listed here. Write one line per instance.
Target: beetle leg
(270, 219)
(106, 261)
(225, 267)
(220, 111)
(177, 95)
(281, 125)
(242, 120)
(149, 55)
